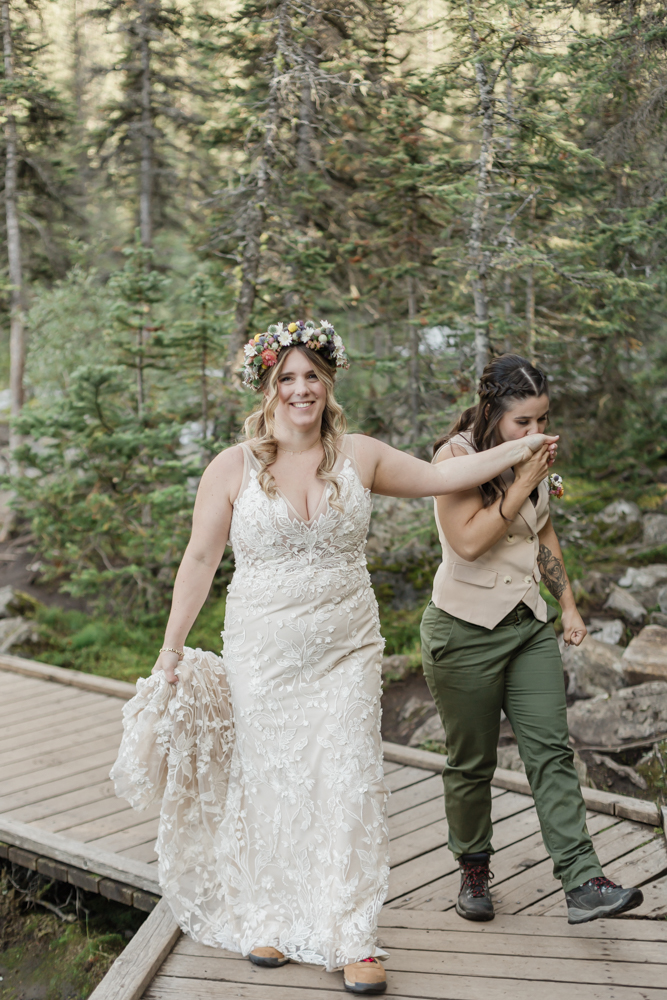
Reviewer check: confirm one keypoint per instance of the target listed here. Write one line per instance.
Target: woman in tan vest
(488, 644)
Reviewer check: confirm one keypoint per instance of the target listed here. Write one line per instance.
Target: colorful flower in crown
(556, 488)
(262, 351)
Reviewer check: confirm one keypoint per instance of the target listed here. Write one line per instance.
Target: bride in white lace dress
(273, 835)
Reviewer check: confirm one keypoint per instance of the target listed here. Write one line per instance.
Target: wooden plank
(73, 720)
(45, 703)
(457, 939)
(401, 987)
(62, 675)
(72, 852)
(50, 743)
(111, 823)
(390, 767)
(630, 930)
(103, 808)
(407, 877)
(421, 839)
(404, 777)
(406, 798)
(63, 760)
(28, 796)
(136, 966)
(537, 882)
(46, 813)
(145, 853)
(81, 762)
(507, 862)
(133, 836)
(649, 862)
(80, 705)
(428, 968)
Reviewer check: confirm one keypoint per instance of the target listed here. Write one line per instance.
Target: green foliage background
(323, 160)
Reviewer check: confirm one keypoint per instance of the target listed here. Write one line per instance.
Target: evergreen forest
(443, 181)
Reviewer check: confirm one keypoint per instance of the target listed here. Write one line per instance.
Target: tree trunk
(478, 258)
(17, 321)
(415, 343)
(530, 316)
(146, 168)
(530, 302)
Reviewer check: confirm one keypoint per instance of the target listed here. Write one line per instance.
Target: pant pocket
(436, 633)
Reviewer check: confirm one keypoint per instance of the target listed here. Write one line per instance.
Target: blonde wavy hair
(259, 427)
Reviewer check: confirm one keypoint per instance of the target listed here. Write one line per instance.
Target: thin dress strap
(249, 463)
(347, 450)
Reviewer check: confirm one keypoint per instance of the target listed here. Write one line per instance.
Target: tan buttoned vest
(482, 592)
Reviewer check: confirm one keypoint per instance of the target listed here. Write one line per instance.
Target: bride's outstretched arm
(210, 530)
(394, 473)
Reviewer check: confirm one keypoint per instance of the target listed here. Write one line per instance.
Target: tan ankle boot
(367, 976)
(268, 958)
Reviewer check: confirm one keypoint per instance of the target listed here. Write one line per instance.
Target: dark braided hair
(504, 380)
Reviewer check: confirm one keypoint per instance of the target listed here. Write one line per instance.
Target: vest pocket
(474, 574)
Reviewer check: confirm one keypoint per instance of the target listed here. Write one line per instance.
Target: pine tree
(154, 126)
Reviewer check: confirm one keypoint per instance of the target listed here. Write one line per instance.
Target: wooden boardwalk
(56, 748)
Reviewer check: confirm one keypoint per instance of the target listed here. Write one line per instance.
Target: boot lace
(475, 878)
(600, 882)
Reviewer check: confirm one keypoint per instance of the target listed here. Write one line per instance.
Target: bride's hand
(167, 662)
(527, 446)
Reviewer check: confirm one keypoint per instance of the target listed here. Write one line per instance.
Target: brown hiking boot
(367, 976)
(268, 958)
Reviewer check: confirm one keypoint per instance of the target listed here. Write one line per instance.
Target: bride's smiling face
(301, 395)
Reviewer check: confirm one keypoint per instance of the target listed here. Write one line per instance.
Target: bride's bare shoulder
(225, 470)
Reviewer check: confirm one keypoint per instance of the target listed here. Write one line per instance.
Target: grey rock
(13, 631)
(626, 604)
(657, 618)
(606, 630)
(655, 530)
(415, 708)
(508, 758)
(432, 729)
(396, 667)
(621, 512)
(593, 668)
(594, 583)
(645, 659)
(634, 713)
(638, 578)
(661, 600)
(6, 598)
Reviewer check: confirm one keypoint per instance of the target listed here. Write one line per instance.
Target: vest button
(508, 579)
(531, 538)
(527, 579)
(510, 538)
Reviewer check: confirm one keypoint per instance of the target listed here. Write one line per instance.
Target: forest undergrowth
(57, 942)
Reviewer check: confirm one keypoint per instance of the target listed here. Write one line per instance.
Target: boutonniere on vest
(556, 488)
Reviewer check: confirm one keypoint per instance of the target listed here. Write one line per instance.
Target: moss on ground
(45, 956)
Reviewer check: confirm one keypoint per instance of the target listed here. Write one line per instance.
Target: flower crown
(262, 351)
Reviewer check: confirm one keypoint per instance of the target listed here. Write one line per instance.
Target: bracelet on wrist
(169, 649)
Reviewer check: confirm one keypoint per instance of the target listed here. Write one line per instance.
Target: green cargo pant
(472, 673)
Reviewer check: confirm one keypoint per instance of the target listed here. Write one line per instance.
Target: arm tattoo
(553, 572)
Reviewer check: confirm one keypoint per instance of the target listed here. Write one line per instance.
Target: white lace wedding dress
(269, 759)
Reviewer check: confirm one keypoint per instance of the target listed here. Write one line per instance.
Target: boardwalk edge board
(622, 806)
(92, 859)
(135, 968)
(63, 675)
(109, 888)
